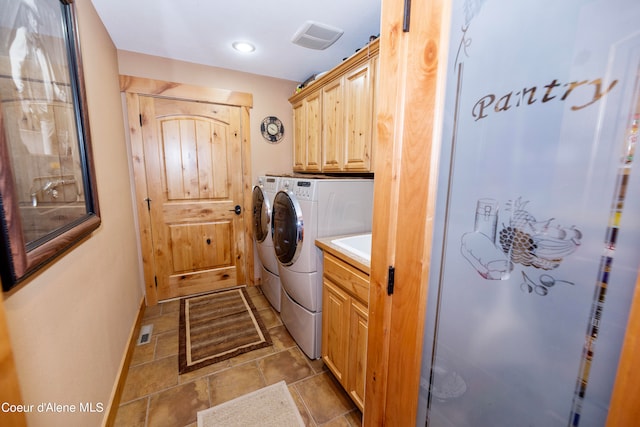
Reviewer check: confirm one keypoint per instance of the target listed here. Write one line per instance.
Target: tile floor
(155, 395)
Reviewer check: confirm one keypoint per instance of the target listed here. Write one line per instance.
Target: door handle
(237, 210)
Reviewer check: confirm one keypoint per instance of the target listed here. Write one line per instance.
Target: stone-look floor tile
(151, 312)
(167, 344)
(178, 406)
(254, 290)
(289, 365)
(260, 302)
(143, 353)
(159, 379)
(324, 397)
(302, 408)
(166, 322)
(281, 338)
(355, 418)
(269, 317)
(234, 382)
(150, 378)
(132, 414)
(337, 422)
(318, 365)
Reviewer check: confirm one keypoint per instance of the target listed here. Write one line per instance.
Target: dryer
(303, 210)
(262, 201)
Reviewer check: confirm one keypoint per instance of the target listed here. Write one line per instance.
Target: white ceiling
(201, 31)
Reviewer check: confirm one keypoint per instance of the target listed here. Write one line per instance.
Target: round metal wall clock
(272, 129)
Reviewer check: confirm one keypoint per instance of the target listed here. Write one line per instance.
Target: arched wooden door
(188, 165)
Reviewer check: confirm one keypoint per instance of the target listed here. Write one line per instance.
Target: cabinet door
(359, 118)
(358, 329)
(335, 329)
(313, 116)
(299, 139)
(332, 127)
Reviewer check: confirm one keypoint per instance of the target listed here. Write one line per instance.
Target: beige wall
(70, 324)
(269, 99)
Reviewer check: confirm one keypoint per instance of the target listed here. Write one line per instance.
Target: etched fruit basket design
(540, 244)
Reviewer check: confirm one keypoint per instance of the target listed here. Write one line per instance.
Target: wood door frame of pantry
(134, 87)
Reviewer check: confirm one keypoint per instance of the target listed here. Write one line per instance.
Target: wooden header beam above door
(165, 89)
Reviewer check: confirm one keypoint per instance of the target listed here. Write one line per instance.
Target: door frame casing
(134, 87)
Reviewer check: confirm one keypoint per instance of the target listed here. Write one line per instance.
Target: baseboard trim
(116, 394)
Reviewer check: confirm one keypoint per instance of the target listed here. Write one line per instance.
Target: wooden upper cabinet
(307, 134)
(358, 90)
(313, 115)
(338, 110)
(299, 146)
(332, 127)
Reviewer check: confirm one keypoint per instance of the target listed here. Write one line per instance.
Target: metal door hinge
(140, 115)
(407, 16)
(391, 280)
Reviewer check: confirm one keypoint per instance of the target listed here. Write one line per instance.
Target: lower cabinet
(345, 295)
(335, 327)
(359, 318)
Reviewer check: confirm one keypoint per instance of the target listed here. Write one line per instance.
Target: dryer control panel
(270, 183)
(304, 189)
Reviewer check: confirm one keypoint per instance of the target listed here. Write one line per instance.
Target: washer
(303, 210)
(262, 201)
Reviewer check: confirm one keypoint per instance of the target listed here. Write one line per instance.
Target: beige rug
(218, 326)
(271, 406)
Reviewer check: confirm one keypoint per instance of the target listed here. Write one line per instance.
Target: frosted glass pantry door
(537, 242)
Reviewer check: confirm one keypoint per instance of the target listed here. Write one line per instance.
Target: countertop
(349, 257)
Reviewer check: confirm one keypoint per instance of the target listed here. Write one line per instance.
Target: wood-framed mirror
(48, 199)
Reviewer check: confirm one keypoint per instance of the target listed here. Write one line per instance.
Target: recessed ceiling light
(243, 46)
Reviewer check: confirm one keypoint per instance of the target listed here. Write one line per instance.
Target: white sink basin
(359, 245)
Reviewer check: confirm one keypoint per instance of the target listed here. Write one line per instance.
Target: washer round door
(261, 214)
(287, 228)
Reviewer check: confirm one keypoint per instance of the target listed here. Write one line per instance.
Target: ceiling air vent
(314, 35)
